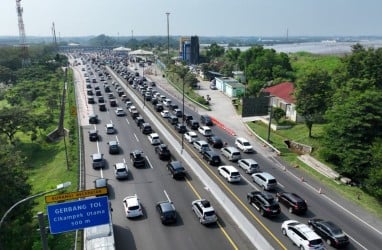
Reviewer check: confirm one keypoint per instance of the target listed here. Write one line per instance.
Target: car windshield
(209, 213)
(134, 208)
(235, 174)
(246, 143)
(121, 170)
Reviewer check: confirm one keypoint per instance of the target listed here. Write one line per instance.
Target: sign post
(69, 216)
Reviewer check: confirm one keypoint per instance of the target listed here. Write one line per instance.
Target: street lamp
(59, 187)
(270, 118)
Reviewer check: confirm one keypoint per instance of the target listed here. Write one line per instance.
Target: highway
(153, 184)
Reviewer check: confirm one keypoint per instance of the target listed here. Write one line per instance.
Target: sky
(194, 17)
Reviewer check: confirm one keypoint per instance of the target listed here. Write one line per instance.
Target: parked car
(243, 145)
(121, 171)
(264, 202)
(301, 235)
(229, 173)
(113, 147)
(249, 166)
(98, 161)
(176, 169)
(93, 135)
(293, 202)
(329, 232)
(206, 120)
(215, 141)
(167, 212)
(163, 152)
(191, 136)
(204, 211)
(132, 206)
(137, 158)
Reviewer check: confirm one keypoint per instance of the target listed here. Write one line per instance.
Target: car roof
(192, 133)
(100, 182)
(265, 175)
(131, 200)
(154, 135)
(167, 206)
(97, 156)
(109, 125)
(177, 164)
(292, 196)
(249, 160)
(120, 165)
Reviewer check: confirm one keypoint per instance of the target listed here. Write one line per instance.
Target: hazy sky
(194, 17)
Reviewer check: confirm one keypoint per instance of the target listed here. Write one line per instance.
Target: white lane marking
(116, 138)
(359, 244)
(97, 146)
(124, 161)
(281, 185)
(101, 173)
(148, 161)
(127, 121)
(250, 183)
(136, 137)
(168, 197)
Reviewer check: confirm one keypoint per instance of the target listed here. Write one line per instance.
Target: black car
(173, 106)
(181, 128)
(154, 101)
(93, 119)
(176, 169)
(134, 114)
(91, 100)
(163, 152)
(113, 147)
(172, 119)
(137, 158)
(187, 117)
(211, 157)
(293, 202)
(102, 107)
(193, 124)
(159, 107)
(167, 212)
(264, 202)
(146, 128)
(101, 99)
(93, 135)
(215, 141)
(206, 120)
(139, 120)
(113, 103)
(330, 232)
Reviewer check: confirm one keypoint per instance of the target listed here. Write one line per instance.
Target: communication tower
(54, 36)
(22, 43)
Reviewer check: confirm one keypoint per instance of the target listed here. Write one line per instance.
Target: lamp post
(59, 187)
(270, 118)
(183, 111)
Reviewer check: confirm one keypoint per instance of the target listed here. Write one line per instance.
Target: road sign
(75, 195)
(73, 215)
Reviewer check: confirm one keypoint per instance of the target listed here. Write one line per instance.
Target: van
(230, 173)
(265, 180)
(231, 153)
(211, 157)
(173, 120)
(201, 146)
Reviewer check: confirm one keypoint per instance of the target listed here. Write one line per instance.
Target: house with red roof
(282, 97)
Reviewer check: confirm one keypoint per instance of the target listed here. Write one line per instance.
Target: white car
(121, 171)
(154, 139)
(165, 114)
(191, 136)
(204, 211)
(205, 130)
(302, 235)
(229, 173)
(128, 104)
(132, 206)
(120, 112)
(167, 102)
(244, 145)
(132, 108)
(110, 128)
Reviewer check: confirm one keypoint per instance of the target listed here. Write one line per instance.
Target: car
(139, 120)
(93, 119)
(167, 102)
(134, 114)
(98, 161)
(128, 104)
(206, 120)
(113, 103)
(264, 202)
(102, 107)
(193, 124)
(181, 128)
(249, 166)
(93, 135)
(163, 152)
(113, 147)
(110, 96)
(293, 202)
(205, 130)
(146, 128)
(124, 98)
(201, 146)
(132, 108)
(121, 171)
(178, 113)
(230, 173)
(265, 180)
(167, 212)
(243, 145)
(132, 206)
(110, 128)
(231, 153)
(120, 112)
(173, 106)
(137, 158)
(165, 114)
(191, 136)
(101, 99)
(211, 157)
(90, 92)
(98, 93)
(301, 235)
(329, 232)
(215, 141)
(204, 211)
(159, 107)
(176, 169)
(154, 139)
(172, 119)
(101, 183)
(187, 117)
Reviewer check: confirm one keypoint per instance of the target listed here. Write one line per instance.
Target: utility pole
(23, 43)
(168, 36)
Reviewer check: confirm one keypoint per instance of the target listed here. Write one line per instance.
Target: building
(229, 86)
(282, 97)
(189, 49)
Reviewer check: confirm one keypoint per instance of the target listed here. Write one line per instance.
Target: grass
(299, 133)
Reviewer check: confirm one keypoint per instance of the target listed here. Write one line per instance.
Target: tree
(12, 120)
(214, 51)
(312, 95)
(373, 183)
(6, 75)
(277, 114)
